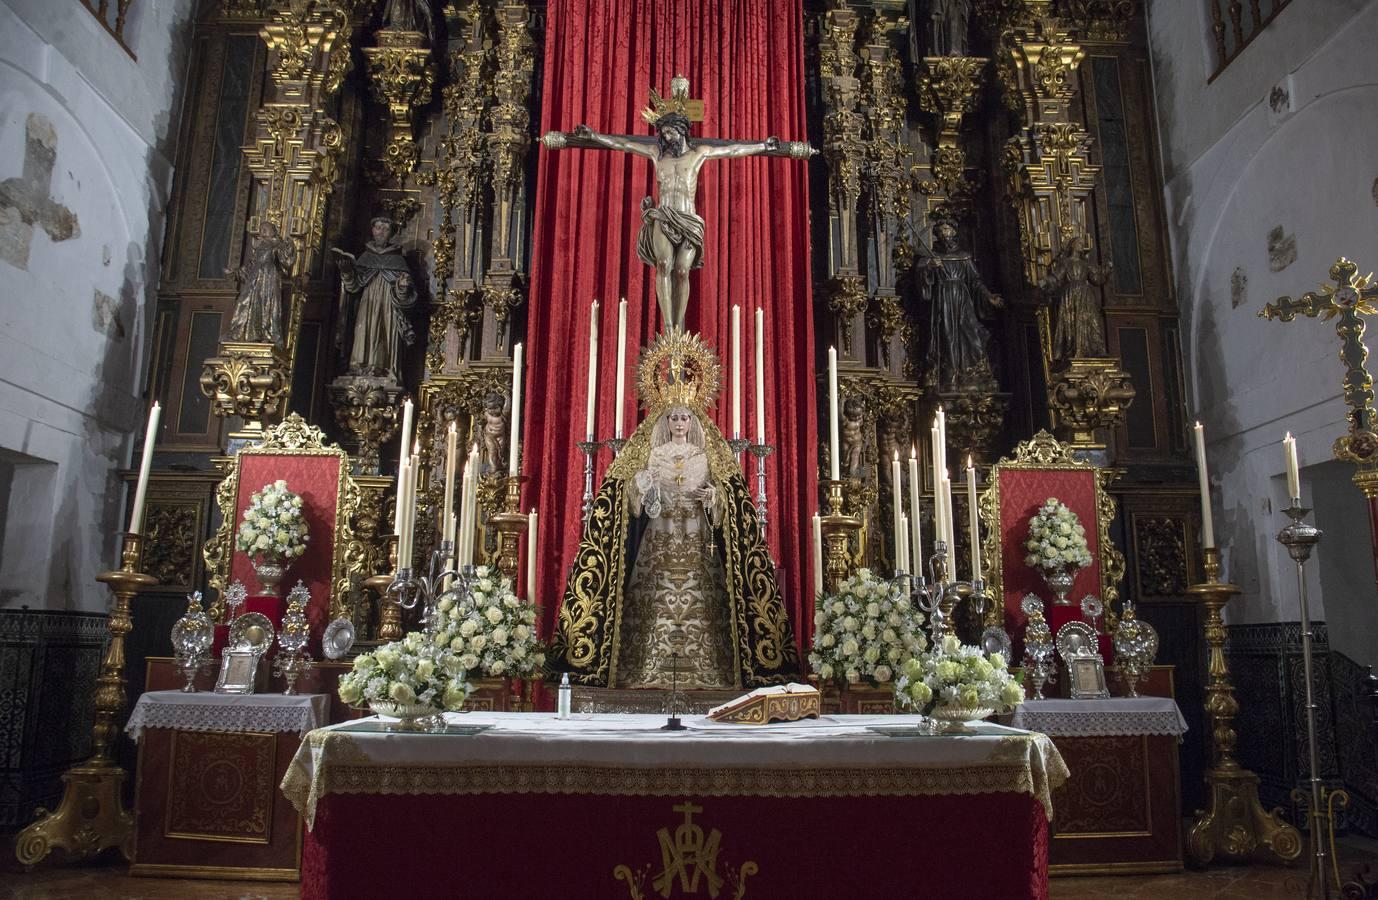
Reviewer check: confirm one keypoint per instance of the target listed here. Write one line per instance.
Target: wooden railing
(113, 18)
(1233, 29)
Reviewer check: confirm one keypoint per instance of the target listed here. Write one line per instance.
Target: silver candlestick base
(589, 448)
(615, 445)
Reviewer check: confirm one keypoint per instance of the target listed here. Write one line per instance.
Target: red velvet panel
(745, 59)
(1022, 491)
(317, 480)
(982, 845)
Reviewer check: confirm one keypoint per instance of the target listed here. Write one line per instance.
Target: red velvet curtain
(745, 59)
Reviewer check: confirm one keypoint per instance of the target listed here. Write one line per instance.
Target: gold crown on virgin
(679, 369)
(677, 103)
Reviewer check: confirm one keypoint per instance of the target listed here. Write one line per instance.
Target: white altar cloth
(204, 711)
(1111, 717)
(629, 754)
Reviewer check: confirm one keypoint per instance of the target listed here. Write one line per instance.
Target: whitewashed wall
(1237, 169)
(75, 312)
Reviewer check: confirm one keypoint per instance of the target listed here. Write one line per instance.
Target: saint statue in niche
(957, 296)
(672, 560)
(947, 27)
(1072, 279)
(258, 310)
(671, 236)
(376, 295)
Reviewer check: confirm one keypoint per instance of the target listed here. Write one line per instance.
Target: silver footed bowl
(409, 715)
(954, 719)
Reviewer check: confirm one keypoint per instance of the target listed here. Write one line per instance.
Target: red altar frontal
(610, 806)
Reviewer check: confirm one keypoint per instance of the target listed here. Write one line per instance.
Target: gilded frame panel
(1045, 452)
(292, 437)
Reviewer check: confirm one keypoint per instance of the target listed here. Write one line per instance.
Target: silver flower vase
(270, 572)
(1061, 580)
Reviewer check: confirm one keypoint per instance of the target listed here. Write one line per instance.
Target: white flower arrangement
(273, 525)
(412, 670)
(1057, 539)
(492, 631)
(957, 675)
(865, 630)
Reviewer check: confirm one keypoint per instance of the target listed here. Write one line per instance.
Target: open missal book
(778, 703)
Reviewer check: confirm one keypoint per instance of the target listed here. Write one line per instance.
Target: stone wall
(85, 132)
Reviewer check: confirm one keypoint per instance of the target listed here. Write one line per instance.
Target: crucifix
(671, 236)
(1347, 299)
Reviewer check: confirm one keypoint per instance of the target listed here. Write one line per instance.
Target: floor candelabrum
(1299, 538)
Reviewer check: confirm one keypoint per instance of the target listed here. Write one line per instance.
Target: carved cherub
(495, 411)
(852, 438)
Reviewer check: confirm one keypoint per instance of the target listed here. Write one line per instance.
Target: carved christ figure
(671, 237)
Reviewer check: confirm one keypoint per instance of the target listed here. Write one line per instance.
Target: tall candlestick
(405, 443)
(136, 517)
(760, 377)
(1203, 481)
(531, 558)
(898, 511)
(514, 439)
(916, 534)
(592, 391)
(1289, 449)
(834, 460)
(736, 371)
(973, 522)
(619, 391)
(817, 556)
(451, 460)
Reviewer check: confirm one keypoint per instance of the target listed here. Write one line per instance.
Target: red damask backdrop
(745, 59)
(317, 480)
(1022, 491)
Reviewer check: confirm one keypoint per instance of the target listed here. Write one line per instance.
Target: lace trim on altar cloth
(334, 763)
(270, 713)
(1078, 718)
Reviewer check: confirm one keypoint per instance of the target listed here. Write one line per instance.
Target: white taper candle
(915, 532)
(1289, 449)
(817, 556)
(514, 438)
(136, 515)
(620, 389)
(736, 371)
(834, 459)
(590, 401)
(1204, 484)
(760, 377)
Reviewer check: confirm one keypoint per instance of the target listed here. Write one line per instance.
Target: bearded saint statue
(376, 294)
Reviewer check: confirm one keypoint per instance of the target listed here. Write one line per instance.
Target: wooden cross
(1347, 299)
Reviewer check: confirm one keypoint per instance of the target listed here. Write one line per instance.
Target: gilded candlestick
(1235, 826)
(91, 816)
(510, 525)
(389, 614)
(838, 532)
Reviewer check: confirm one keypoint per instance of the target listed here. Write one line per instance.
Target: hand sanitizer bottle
(565, 695)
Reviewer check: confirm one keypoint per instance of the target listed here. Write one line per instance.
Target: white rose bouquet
(412, 670)
(865, 630)
(1057, 539)
(489, 628)
(957, 675)
(273, 526)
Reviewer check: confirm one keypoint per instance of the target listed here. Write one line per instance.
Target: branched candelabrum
(761, 451)
(410, 590)
(938, 595)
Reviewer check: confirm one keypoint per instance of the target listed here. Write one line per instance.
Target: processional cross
(671, 236)
(1348, 299)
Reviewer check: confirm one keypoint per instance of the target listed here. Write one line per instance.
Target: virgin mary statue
(674, 581)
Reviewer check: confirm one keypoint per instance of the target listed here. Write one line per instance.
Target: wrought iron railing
(113, 17)
(1233, 27)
